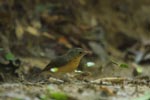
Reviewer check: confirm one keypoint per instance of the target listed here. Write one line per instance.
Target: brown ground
(116, 31)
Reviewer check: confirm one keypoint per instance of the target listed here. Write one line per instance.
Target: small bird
(67, 62)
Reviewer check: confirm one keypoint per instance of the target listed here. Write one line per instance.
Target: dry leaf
(19, 31)
(48, 35)
(108, 91)
(32, 31)
(82, 2)
(112, 80)
(36, 24)
(64, 41)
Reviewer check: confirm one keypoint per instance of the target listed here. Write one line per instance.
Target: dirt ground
(117, 32)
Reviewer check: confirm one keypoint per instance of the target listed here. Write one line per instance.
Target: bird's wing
(58, 62)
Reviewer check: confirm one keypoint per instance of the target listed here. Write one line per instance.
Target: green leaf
(59, 96)
(9, 56)
(54, 96)
(123, 65)
(146, 96)
(139, 70)
(44, 97)
(49, 95)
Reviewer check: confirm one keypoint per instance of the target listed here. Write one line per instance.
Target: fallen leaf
(64, 41)
(19, 31)
(48, 35)
(107, 91)
(113, 80)
(36, 24)
(32, 31)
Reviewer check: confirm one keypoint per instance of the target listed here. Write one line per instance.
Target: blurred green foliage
(53, 95)
(9, 56)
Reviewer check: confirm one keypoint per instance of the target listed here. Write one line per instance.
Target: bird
(67, 62)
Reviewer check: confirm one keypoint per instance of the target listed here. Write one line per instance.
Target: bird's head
(77, 52)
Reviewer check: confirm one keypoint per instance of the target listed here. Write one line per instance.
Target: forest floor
(117, 32)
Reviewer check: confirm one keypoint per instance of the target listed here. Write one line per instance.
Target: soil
(116, 32)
